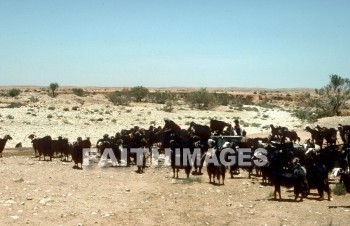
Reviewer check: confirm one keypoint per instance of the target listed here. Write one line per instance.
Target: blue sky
(163, 43)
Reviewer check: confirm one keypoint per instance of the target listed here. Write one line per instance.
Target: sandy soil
(52, 193)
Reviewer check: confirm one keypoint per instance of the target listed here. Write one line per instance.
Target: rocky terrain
(36, 192)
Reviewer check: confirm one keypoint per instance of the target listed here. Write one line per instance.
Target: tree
(336, 93)
(53, 87)
(138, 92)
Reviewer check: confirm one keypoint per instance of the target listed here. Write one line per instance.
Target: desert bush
(138, 93)
(65, 109)
(223, 99)
(335, 94)
(202, 99)
(49, 116)
(160, 97)
(33, 99)
(305, 115)
(10, 117)
(75, 108)
(14, 105)
(51, 108)
(265, 116)
(240, 100)
(169, 106)
(78, 91)
(14, 92)
(255, 125)
(311, 115)
(3, 93)
(119, 98)
(250, 109)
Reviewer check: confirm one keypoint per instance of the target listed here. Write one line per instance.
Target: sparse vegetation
(335, 94)
(78, 91)
(14, 92)
(14, 105)
(51, 108)
(250, 109)
(119, 98)
(223, 99)
(160, 97)
(138, 93)
(257, 125)
(33, 99)
(169, 106)
(202, 99)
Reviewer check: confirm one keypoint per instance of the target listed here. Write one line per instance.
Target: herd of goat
(289, 163)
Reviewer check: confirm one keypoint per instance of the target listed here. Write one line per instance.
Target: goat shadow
(216, 184)
(335, 207)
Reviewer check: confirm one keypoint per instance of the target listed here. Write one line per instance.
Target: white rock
(45, 201)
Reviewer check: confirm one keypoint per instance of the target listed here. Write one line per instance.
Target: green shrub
(202, 99)
(223, 99)
(14, 105)
(14, 92)
(265, 116)
(160, 97)
(138, 93)
(119, 98)
(78, 91)
(250, 109)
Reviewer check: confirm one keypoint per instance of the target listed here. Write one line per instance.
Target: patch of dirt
(36, 192)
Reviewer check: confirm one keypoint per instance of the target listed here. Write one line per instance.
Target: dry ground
(52, 193)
